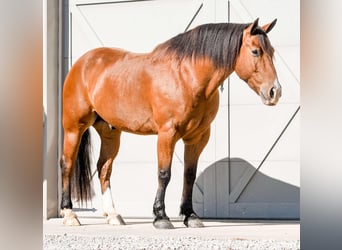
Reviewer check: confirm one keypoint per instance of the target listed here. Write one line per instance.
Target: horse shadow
(232, 188)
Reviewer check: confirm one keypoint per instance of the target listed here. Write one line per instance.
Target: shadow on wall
(236, 189)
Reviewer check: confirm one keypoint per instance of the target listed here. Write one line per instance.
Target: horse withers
(171, 92)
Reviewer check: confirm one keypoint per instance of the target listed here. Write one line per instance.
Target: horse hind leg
(110, 143)
(67, 164)
(75, 134)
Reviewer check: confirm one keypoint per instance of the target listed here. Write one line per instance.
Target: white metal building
(250, 167)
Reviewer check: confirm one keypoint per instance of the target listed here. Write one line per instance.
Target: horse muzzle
(270, 96)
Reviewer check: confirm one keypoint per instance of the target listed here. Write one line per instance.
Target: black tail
(82, 179)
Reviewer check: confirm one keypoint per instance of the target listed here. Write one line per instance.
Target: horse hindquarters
(78, 116)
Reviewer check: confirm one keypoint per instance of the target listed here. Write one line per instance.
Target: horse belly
(143, 127)
(127, 115)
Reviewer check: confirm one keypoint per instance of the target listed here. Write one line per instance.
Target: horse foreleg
(191, 155)
(110, 143)
(166, 144)
(71, 143)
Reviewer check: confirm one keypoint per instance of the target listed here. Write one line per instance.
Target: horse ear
(268, 27)
(254, 26)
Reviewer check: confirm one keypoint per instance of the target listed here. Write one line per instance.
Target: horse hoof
(115, 220)
(193, 221)
(70, 218)
(163, 224)
(71, 222)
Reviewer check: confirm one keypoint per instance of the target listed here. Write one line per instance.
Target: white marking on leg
(112, 217)
(107, 202)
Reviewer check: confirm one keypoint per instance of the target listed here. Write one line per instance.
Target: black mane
(209, 40)
(220, 42)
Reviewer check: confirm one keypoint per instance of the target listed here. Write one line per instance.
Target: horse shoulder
(198, 117)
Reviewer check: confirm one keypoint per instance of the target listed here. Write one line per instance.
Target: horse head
(254, 63)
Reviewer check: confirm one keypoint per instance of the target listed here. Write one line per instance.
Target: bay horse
(171, 92)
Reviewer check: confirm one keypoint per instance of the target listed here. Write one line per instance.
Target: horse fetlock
(70, 218)
(193, 221)
(186, 208)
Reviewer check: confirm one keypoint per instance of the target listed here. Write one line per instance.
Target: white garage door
(242, 134)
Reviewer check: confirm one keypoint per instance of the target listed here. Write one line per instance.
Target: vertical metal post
(63, 67)
(228, 81)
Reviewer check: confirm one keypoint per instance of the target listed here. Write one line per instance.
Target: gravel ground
(68, 241)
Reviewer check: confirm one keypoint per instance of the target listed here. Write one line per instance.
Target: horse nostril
(272, 92)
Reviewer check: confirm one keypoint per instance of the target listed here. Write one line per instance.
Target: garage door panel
(139, 19)
(131, 185)
(241, 93)
(82, 36)
(219, 131)
(291, 136)
(261, 210)
(254, 129)
(288, 171)
(95, 25)
(288, 56)
(287, 29)
(135, 148)
(252, 193)
(264, 188)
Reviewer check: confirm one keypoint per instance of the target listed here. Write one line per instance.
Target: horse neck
(209, 77)
(199, 74)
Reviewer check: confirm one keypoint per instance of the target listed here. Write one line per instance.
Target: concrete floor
(218, 229)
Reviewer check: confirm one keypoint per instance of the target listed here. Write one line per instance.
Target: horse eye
(255, 52)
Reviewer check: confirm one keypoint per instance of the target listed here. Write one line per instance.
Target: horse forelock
(265, 43)
(219, 42)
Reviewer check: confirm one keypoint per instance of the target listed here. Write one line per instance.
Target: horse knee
(164, 176)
